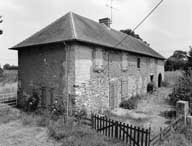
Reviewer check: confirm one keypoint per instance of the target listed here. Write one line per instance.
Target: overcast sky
(167, 29)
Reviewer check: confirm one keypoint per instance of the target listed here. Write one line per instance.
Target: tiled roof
(75, 27)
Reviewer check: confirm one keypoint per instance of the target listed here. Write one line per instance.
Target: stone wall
(72, 69)
(98, 90)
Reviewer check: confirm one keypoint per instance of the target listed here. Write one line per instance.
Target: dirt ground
(15, 134)
(148, 112)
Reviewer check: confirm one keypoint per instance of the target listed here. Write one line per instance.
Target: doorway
(159, 80)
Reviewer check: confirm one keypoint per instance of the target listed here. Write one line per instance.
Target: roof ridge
(74, 33)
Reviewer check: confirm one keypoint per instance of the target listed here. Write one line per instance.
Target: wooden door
(113, 93)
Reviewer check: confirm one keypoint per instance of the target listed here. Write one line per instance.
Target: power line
(148, 15)
(140, 22)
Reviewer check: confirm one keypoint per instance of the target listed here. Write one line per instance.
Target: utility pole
(1, 20)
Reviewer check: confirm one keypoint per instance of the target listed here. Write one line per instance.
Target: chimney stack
(105, 21)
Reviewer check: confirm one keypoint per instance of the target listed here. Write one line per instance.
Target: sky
(169, 28)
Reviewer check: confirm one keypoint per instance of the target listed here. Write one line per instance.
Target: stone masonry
(105, 89)
(70, 69)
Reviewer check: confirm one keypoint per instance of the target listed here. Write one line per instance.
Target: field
(8, 82)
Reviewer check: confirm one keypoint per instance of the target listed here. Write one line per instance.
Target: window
(98, 59)
(138, 62)
(124, 62)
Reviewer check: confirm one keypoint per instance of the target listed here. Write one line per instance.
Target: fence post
(92, 121)
(149, 136)
(160, 133)
(182, 108)
(116, 129)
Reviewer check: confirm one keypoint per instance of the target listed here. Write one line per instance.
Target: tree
(177, 61)
(1, 72)
(183, 88)
(6, 66)
(133, 34)
(189, 63)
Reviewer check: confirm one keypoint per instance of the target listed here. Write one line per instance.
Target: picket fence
(129, 134)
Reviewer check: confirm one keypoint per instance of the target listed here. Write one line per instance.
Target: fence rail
(8, 99)
(132, 135)
(166, 132)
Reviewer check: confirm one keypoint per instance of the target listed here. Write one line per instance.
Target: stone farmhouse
(80, 57)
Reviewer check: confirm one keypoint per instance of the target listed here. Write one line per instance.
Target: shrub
(165, 83)
(131, 103)
(150, 87)
(33, 102)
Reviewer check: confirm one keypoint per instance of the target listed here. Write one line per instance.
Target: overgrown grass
(78, 135)
(182, 137)
(8, 82)
(8, 114)
(176, 140)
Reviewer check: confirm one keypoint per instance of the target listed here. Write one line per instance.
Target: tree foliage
(177, 61)
(10, 67)
(183, 88)
(133, 34)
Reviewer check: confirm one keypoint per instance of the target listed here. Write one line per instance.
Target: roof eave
(89, 42)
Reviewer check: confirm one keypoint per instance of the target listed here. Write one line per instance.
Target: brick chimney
(105, 21)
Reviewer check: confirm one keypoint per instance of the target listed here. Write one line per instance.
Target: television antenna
(111, 8)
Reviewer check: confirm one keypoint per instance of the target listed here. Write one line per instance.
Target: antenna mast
(111, 9)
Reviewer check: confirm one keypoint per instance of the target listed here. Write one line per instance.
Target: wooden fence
(8, 99)
(132, 135)
(166, 132)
